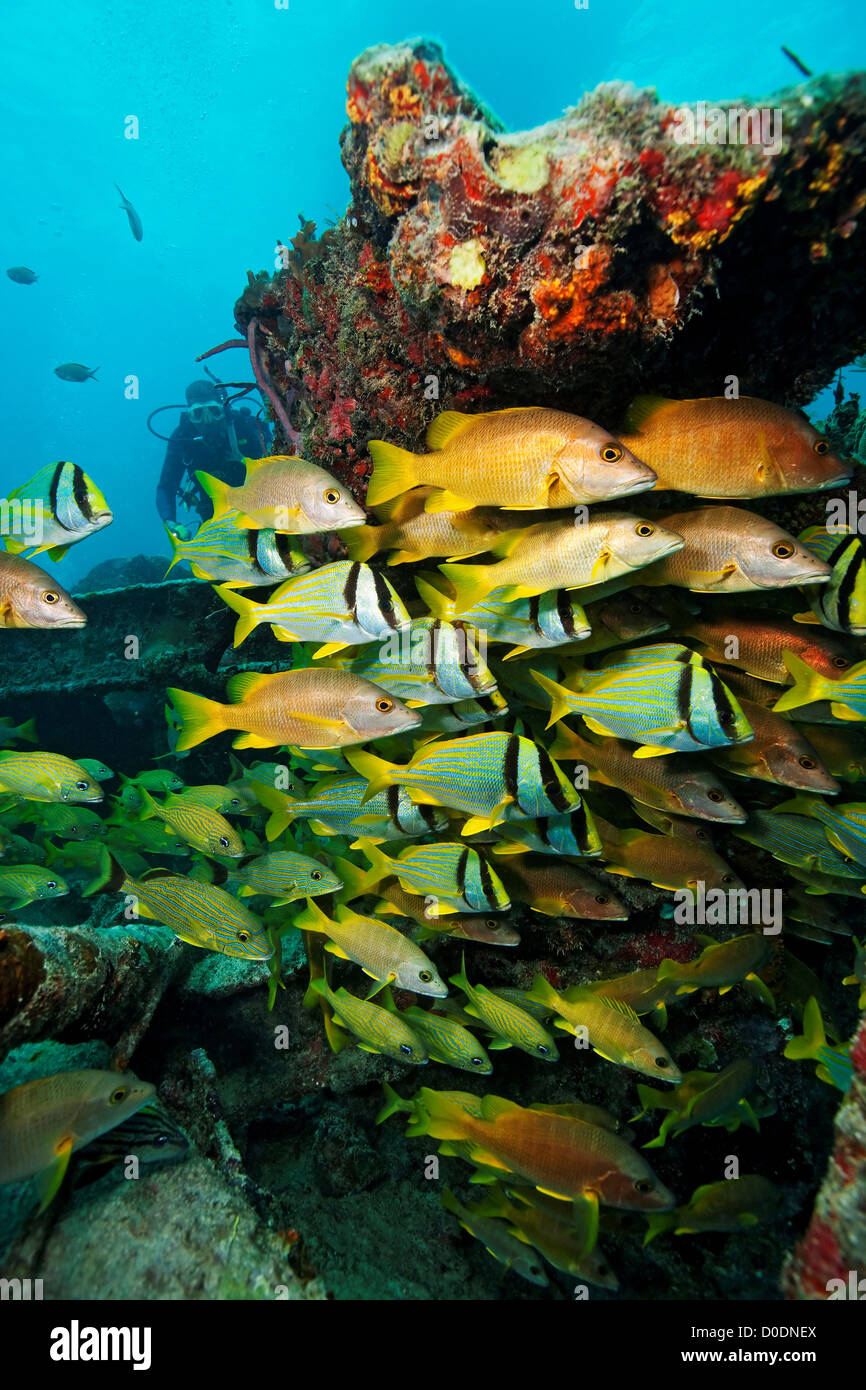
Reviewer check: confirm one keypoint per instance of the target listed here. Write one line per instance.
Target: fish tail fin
(461, 979)
(393, 471)
(567, 744)
(378, 771)
(201, 718)
(176, 549)
(149, 808)
(561, 699)
(361, 542)
(312, 918)
(658, 1221)
(808, 684)
(471, 583)
(667, 970)
(393, 1104)
(28, 731)
(438, 603)
(380, 865)
(542, 991)
(355, 881)
(278, 804)
(217, 491)
(248, 620)
(109, 877)
(813, 1037)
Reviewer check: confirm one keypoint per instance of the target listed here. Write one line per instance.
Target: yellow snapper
(66, 506)
(666, 861)
(382, 952)
(611, 1028)
(46, 777)
(563, 554)
(29, 597)
(729, 550)
(496, 1238)
(313, 708)
(742, 447)
(43, 1122)
(340, 605)
(285, 494)
(411, 533)
(524, 457)
(734, 1204)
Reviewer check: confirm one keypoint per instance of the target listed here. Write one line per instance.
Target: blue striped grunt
(286, 876)
(513, 1026)
(199, 826)
(490, 777)
(339, 605)
(377, 1029)
(46, 777)
(29, 883)
(844, 823)
(198, 913)
(447, 1040)
(847, 695)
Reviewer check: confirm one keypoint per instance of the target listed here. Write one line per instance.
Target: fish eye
(406, 1049)
(821, 446)
(644, 528)
(543, 1049)
(160, 1140)
(118, 1095)
(331, 495)
(807, 763)
(840, 662)
(643, 1185)
(315, 875)
(50, 596)
(477, 1061)
(611, 453)
(715, 795)
(782, 550)
(701, 835)
(386, 604)
(727, 878)
(384, 705)
(662, 1062)
(82, 786)
(224, 841)
(424, 976)
(635, 607)
(243, 937)
(602, 898)
(492, 924)
(727, 718)
(51, 883)
(235, 801)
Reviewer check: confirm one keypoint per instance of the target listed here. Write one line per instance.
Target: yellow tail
(361, 541)
(471, 583)
(561, 699)
(393, 472)
(808, 685)
(439, 604)
(217, 491)
(249, 616)
(176, 552)
(378, 772)
(201, 718)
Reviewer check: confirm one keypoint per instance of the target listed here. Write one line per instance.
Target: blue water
(240, 106)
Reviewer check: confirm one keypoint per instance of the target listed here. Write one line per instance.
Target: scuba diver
(211, 438)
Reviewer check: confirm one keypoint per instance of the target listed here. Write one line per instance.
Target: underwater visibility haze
(432, 662)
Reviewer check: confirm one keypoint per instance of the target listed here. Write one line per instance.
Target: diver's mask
(206, 413)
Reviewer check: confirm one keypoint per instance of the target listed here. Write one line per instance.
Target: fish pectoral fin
(444, 501)
(50, 1180)
(252, 741)
(380, 984)
(600, 563)
(283, 635)
(594, 726)
(713, 579)
(647, 752)
(498, 1044)
(335, 950)
(330, 649)
(807, 618)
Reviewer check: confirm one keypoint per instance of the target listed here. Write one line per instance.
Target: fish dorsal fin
(253, 465)
(241, 686)
(494, 1106)
(641, 411)
(620, 1005)
(446, 427)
